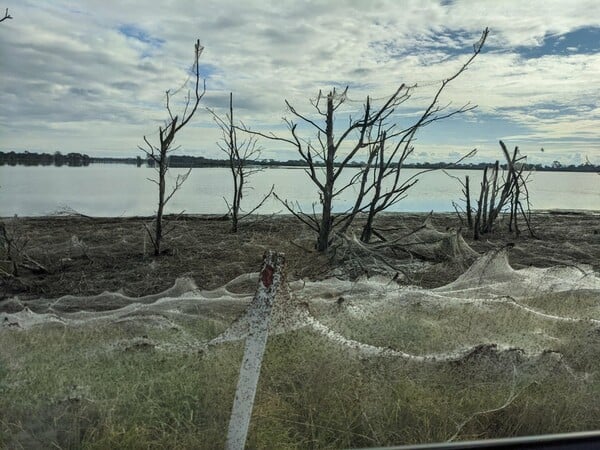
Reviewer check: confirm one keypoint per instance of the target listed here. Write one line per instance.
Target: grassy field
(140, 380)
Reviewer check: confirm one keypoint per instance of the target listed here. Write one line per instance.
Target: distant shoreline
(185, 161)
(225, 218)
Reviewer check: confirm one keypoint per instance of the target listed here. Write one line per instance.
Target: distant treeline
(43, 159)
(80, 159)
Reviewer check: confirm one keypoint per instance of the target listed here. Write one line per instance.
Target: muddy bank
(86, 256)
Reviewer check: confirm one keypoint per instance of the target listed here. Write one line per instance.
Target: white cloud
(72, 80)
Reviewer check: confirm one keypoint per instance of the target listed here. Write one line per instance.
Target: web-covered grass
(499, 352)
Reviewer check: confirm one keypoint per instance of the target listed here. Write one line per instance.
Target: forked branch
(6, 16)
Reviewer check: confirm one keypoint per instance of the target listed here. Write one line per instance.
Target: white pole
(259, 315)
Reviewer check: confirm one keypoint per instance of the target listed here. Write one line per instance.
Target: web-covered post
(259, 315)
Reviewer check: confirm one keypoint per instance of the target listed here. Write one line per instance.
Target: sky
(90, 76)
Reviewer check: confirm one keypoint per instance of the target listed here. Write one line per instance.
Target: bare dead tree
(516, 171)
(387, 187)
(468, 210)
(502, 190)
(378, 181)
(6, 241)
(6, 16)
(467, 194)
(240, 154)
(159, 154)
(387, 166)
(328, 148)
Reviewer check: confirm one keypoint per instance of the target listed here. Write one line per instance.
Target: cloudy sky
(90, 75)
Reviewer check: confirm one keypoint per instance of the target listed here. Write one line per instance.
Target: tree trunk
(367, 230)
(468, 206)
(477, 225)
(161, 204)
(235, 207)
(237, 187)
(326, 219)
(325, 228)
(236, 169)
(516, 211)
(493, 214)
(484, 206)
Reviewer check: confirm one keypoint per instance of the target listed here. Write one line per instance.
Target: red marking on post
(267, 276)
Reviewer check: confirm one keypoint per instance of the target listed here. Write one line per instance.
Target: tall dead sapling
(240, 155)
(6, 240)
(12, 239)
(517, 170)
(159, 154)
(503, 189)
(468, 209)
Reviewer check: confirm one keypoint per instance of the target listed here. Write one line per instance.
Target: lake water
(123, 190)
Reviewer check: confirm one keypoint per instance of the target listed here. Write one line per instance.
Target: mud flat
(85, 256)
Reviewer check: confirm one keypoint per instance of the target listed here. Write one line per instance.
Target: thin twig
(511, 398)
(259, 204)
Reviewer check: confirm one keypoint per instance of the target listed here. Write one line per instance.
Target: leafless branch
(260, 203)
(6, 16)
(306, 119)
(512, 396)
(303, 217)
(178, 183)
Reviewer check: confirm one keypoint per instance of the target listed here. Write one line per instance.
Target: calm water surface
(123, 190)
